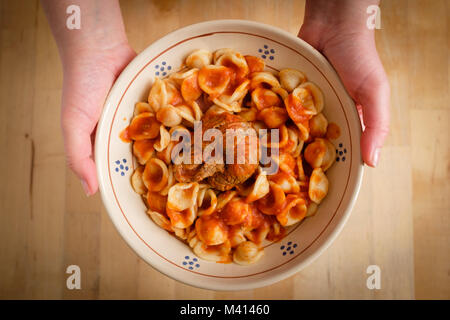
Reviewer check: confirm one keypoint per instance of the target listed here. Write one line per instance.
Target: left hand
(352, 52)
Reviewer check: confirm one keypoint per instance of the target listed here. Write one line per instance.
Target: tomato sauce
(190, 89)
(143, 126)
(157, 202)
(124, 135)
(216, 78)
(209, 227)
(296, 110)
(255, 64)
(333, 131)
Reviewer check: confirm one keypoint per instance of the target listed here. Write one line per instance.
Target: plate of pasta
(228, 154)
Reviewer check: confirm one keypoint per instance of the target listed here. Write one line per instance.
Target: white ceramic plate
(114, 159)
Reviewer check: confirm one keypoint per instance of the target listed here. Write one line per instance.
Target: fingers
(77, 130)
(374, 96)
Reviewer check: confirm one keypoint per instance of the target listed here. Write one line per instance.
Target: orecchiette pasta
(143, 150)
(236, 95)
(225, 211)
(165, 154)
(282, 142)
(219, 52)
(179, 76)
(224, 198)
(136, 181)
(320, 153)
(181, 233)
(259, 79)
(287, 182)
(293, 211)
(318, 125)
(312, 209)
(235, 61)
(264, 98)
(190, 89)
(247, 253)
(235, 211)
(248, 114)
(281, 92)
(156, 202)
(273, 117)
(160, 220)
(157, 97)
(255, 64)
(170, 181)
(318, 185)
(206, 201)
(186, 113)
(316, 93)
(142, 107)
(182, 196)
(291, 78)
(199, 59)
(236, 235)
(214, 79)
(143, 126)
(183, 218)
(219, 253)
(273, 201)
(168, 116)
(164, 139)
(211, 230)
(155, 175)
(259, 188)
(231, 107)
(173, 95)
(306, 99)
(258, 234)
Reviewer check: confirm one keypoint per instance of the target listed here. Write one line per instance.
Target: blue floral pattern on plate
(162, 69)
(121, 166)
(288, 248)
(341, 153)
(191, 263)
(266, 52)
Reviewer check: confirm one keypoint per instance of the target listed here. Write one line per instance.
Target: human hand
(338, 30)
(92, 57)
(88, 76)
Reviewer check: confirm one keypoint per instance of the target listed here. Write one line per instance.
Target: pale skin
(94, 56)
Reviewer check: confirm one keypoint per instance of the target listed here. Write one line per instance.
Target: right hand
(88, 76)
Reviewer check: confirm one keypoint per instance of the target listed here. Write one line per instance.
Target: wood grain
(400, 221)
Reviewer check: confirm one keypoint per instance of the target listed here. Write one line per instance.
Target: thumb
(373, 96)
(77, 129)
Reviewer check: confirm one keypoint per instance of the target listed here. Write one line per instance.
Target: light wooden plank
(392, 43)
(16, 163)
(119, 265)
(45, 272)
(427, 54)
(430, 162)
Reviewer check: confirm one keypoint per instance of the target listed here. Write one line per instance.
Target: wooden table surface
(400, 222)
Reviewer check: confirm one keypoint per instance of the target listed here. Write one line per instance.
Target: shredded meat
(196, 172)
(220, 176)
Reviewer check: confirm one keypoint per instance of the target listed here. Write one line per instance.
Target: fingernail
(376, 156)
(85, 188)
